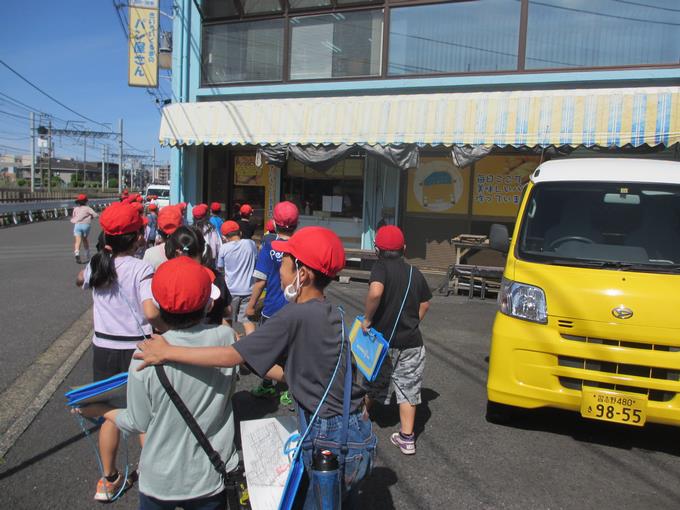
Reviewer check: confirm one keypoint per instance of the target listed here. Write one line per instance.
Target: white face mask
(291, 291)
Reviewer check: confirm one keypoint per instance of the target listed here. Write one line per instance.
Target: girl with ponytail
(124, 313)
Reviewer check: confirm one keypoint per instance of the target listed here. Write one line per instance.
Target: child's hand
(366, 325)
(92, 410)
(152, 351)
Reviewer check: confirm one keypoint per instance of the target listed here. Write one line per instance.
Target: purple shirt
(119, 321)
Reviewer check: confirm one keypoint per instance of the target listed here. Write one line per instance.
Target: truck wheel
(499, 414)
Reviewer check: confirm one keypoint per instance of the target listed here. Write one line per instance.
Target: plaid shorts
(401, 374)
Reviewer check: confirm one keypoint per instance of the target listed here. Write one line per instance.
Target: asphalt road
(37, 291)
(546, 459)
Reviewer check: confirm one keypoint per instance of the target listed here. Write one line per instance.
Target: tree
(113, 182)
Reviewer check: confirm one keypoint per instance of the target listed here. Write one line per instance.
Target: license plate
(626, 408)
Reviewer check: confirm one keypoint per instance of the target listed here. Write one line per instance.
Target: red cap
(124, 193)
(120, 218)
(216, 207)
(246, 210)
(139, 198)
(229, 226)
(81, 197)
(181, 285)
(270, 227)
(169, 219)
(286, 215)
(153, 207)
(182, 206)
(199, 211)
(138, 207)
(145, 221)
(389, 237)
(316, 247)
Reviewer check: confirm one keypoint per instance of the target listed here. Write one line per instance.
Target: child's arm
(422, 310)
(276, 374)
(80, 279)
(158, 351)
(153, 315)
(375, 292)
(258, 287)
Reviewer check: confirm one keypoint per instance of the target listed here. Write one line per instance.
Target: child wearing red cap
(151, 230)
(308, 333)
(398, 299)
(266, 276)
(269, 232)
(169, 219)
(212, 237)
(215, 215)
(173, 469)
(236, 262)
(82, 218)
(123, 315)
(245, 221)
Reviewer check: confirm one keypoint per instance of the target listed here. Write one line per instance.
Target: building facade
(430, 115)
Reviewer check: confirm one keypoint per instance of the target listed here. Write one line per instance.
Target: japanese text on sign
(143, 45)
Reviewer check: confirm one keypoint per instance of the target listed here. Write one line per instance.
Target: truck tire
(499, 414)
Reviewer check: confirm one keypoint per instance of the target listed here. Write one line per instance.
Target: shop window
(243, 52)
(308, 4)
(218, 8)
(336, 45)
(592, 33)
(260, 6)
(337, 193)
(459, 37)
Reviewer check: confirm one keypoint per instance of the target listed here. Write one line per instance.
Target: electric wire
(48, 95)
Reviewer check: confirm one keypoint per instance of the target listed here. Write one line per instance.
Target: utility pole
(49, 156)
(32, 152)
(103, 165)
(120, 157)
(84, 160)
(153, 166)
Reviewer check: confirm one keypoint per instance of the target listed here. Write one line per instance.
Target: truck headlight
(523, 301)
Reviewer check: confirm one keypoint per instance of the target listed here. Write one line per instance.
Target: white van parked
(162, 191)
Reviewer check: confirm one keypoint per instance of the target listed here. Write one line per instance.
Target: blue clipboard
(290, 490)
(98, 391)
(369, 349)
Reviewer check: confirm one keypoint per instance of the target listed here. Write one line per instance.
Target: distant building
(14, 167)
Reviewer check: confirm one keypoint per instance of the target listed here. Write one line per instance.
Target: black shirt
(309, 335)
(247, 228)
(393, 274)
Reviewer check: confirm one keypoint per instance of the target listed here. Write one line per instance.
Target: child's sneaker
(286, 400)
(263, 391)
(406, 444)
(77, 256)
(106, 490)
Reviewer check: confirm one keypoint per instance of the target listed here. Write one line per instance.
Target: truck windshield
(159, 192)
(625, 226)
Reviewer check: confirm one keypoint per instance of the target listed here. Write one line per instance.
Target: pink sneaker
(407, 446)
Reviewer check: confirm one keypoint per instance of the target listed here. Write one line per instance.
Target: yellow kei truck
(589, 307)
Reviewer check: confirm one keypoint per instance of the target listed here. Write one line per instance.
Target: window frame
(386, 6)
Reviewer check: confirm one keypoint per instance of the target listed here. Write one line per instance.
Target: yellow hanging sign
(143, 44)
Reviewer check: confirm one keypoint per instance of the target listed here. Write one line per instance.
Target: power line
(48, 95)
(27, 107)
(669, 9)
(15, 115)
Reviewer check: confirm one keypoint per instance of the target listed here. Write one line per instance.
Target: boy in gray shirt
(173, 468)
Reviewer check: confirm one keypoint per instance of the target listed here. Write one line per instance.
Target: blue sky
(75, 50)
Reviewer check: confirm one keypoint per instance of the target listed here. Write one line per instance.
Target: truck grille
(618, 368)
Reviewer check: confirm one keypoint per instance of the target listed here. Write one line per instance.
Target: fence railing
(29, 212)
(24, 195)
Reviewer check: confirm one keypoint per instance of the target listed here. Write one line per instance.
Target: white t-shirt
(155, 255)
(119, 321)
(237, 259)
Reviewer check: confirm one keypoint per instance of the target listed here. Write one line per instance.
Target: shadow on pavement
(375, 491)
(388, 416)
(42, 455)
(652, 437)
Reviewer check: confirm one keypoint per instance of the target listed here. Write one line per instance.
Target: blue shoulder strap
(403, 302)
(347, 393)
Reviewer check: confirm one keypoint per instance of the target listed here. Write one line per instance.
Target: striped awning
(603, 117)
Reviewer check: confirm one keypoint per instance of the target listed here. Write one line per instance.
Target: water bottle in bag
(326, 480)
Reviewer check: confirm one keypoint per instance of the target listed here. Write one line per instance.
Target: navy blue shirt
(267, 268)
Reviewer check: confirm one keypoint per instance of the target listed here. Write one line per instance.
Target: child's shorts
(401, 374)
(81, 229)
(238, 309)
(109, 362)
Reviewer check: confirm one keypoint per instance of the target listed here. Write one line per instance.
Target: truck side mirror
(499, 239)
